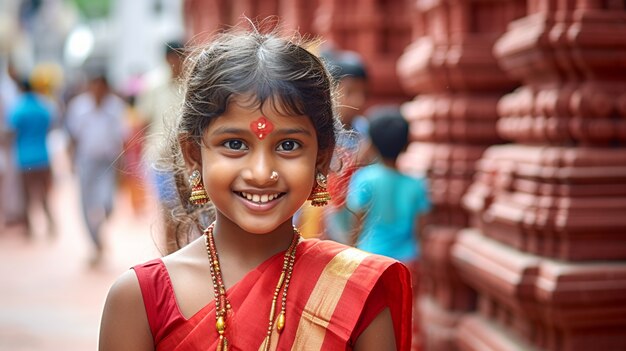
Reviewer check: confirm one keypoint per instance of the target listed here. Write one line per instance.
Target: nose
(260, 169)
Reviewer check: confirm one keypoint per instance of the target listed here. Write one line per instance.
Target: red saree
(335, 292)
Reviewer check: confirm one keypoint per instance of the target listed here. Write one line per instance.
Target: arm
(124, 324)
(355, 232)
(358, 201)
(379, 335)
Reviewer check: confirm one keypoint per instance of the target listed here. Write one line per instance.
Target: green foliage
(93, 8)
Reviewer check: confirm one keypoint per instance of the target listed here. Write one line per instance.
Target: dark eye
(288, 145)
(235, 145)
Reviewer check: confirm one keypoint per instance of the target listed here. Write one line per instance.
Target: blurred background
(517, 112)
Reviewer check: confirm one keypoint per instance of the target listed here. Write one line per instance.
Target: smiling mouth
(260, 198)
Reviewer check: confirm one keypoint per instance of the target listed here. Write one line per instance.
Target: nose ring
(274, 176)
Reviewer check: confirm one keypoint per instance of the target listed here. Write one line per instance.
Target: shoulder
(125, 291)
(115, 102)
(342, 278)
(79, 104)
(367, 173)
(124, 323)
(414, 181)
(129, 287)
(340, 259)
(329, 249)
(80, 100)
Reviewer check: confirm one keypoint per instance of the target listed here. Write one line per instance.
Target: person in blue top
(29, 121)
(387, 203)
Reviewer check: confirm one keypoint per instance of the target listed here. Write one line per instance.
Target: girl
(256, 134)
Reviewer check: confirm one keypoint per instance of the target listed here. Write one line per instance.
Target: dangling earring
(320, 196)
(198, 196)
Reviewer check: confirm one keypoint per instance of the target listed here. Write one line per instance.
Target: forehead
(242, 112)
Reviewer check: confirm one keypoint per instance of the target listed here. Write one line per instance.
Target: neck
(390, 163)
(98, 99)
(250, 248)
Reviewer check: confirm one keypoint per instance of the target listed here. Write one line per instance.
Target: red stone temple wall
(518, 118)
(378, 30)
(451, 70)
(547, 252)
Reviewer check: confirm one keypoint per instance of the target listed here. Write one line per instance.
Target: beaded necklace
(222, 305)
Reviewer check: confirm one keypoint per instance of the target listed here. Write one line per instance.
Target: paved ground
(49, 297)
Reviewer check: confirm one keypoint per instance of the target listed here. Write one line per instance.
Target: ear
(323, 160)
(190, 150)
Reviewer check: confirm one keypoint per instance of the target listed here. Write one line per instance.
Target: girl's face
(239, 156)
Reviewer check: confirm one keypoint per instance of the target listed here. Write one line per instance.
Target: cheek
(216, 172)
(302, 175)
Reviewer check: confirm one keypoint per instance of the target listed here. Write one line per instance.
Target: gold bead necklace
(222, 305)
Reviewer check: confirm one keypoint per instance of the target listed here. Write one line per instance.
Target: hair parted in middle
(261, 70)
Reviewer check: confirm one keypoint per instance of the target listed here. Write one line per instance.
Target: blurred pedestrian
(13, 212)
(96, 127)
(387, 204)
(350, 74)
(5, 146)
(158, 106)
(30, 120)
(133, 173)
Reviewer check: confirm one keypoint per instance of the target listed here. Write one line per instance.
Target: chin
(261, 226)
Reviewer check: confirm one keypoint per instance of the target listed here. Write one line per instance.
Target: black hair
(174, 47)
(388, 131)
(25, 85)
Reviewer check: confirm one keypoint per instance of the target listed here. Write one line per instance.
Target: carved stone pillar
(457, 82)
(379, 30)
(205, 17)
(547, 254)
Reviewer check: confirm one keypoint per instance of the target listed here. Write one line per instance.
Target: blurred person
(96, 128)
(13, 212)
(47, 81)
(30, 121)
(133, 173)
(158, 105)
(350, 74)
(5, 146)
(388, 204)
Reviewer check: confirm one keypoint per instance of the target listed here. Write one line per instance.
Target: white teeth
(259, 198)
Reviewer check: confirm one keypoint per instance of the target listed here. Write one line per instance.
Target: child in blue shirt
(30, 120)
(388, 203)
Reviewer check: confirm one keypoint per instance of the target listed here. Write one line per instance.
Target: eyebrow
(283, 131)
(227, 130)
(289, 131)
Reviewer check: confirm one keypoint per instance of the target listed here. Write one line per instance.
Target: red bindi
(261, 127)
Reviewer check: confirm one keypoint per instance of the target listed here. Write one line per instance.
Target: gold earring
(198, 195)
(320, 195)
